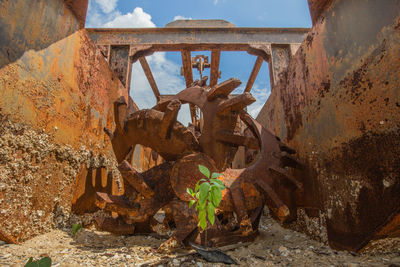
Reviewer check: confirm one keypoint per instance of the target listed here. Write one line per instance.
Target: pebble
(284, 251)
(175, 262)
(199, 264)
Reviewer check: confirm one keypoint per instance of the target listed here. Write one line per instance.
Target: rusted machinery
(212, 142)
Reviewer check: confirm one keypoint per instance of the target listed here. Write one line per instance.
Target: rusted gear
(213, 143)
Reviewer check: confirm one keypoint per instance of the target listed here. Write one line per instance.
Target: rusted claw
(214, 144)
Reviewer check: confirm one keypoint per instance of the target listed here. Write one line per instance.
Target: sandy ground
(275, 246)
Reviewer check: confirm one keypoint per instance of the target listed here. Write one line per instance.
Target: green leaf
(202, 214)
(211, 213)
(43, 262)
(215, 175)
(202, 219)
(189, 191)
(196, 188)
(204, 170)
(216, 195)
(219, 183)
(203, 190)
(203, 224)
(75, 228)
(191, 202)
(29, 261)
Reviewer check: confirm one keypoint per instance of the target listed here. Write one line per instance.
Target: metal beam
(118, 59)
(196, 39)
(187, 67)
(254, 74)
(214, 72)
(150, 78)
(188, 74)
(280, 58)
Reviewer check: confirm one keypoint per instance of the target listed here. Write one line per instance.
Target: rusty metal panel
(79, 8)
(14, 23)
(338, 105)
(52, 115)
(317, 8)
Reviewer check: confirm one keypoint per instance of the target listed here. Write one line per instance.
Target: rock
(353, 265)
(284, 251)
(175, 262)
(199, 264)
(2, 242)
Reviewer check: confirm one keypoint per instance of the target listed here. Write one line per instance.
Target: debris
(284, 251)
(213, 255)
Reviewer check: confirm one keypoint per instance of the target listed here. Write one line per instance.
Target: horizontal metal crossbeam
(197, 39)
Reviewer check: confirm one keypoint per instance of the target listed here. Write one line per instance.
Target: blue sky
(166, 66)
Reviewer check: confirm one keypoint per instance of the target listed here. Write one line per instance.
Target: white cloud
(166, 74)
(215, 2)
(179, 17)
(107, 6)
(137, 19)
(96, 17)
(261, 94)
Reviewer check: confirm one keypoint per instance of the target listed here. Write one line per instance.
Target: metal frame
(122, 47)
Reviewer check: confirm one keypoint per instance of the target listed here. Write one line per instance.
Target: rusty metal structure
(212, 140)
(213, 145)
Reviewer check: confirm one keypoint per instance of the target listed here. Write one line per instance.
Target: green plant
(75, 228)
(43, 262)
(207, 196)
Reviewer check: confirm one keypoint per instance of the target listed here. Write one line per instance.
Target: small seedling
(75, 228)
(207, 196)
(43, 262)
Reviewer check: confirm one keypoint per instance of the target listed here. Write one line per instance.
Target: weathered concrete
(338, 105)
(56, 95)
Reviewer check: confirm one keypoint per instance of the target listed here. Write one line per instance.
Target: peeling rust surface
(52, 116)
(337, 104)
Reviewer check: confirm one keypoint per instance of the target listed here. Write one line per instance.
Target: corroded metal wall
(56, 95)
(338, 104)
